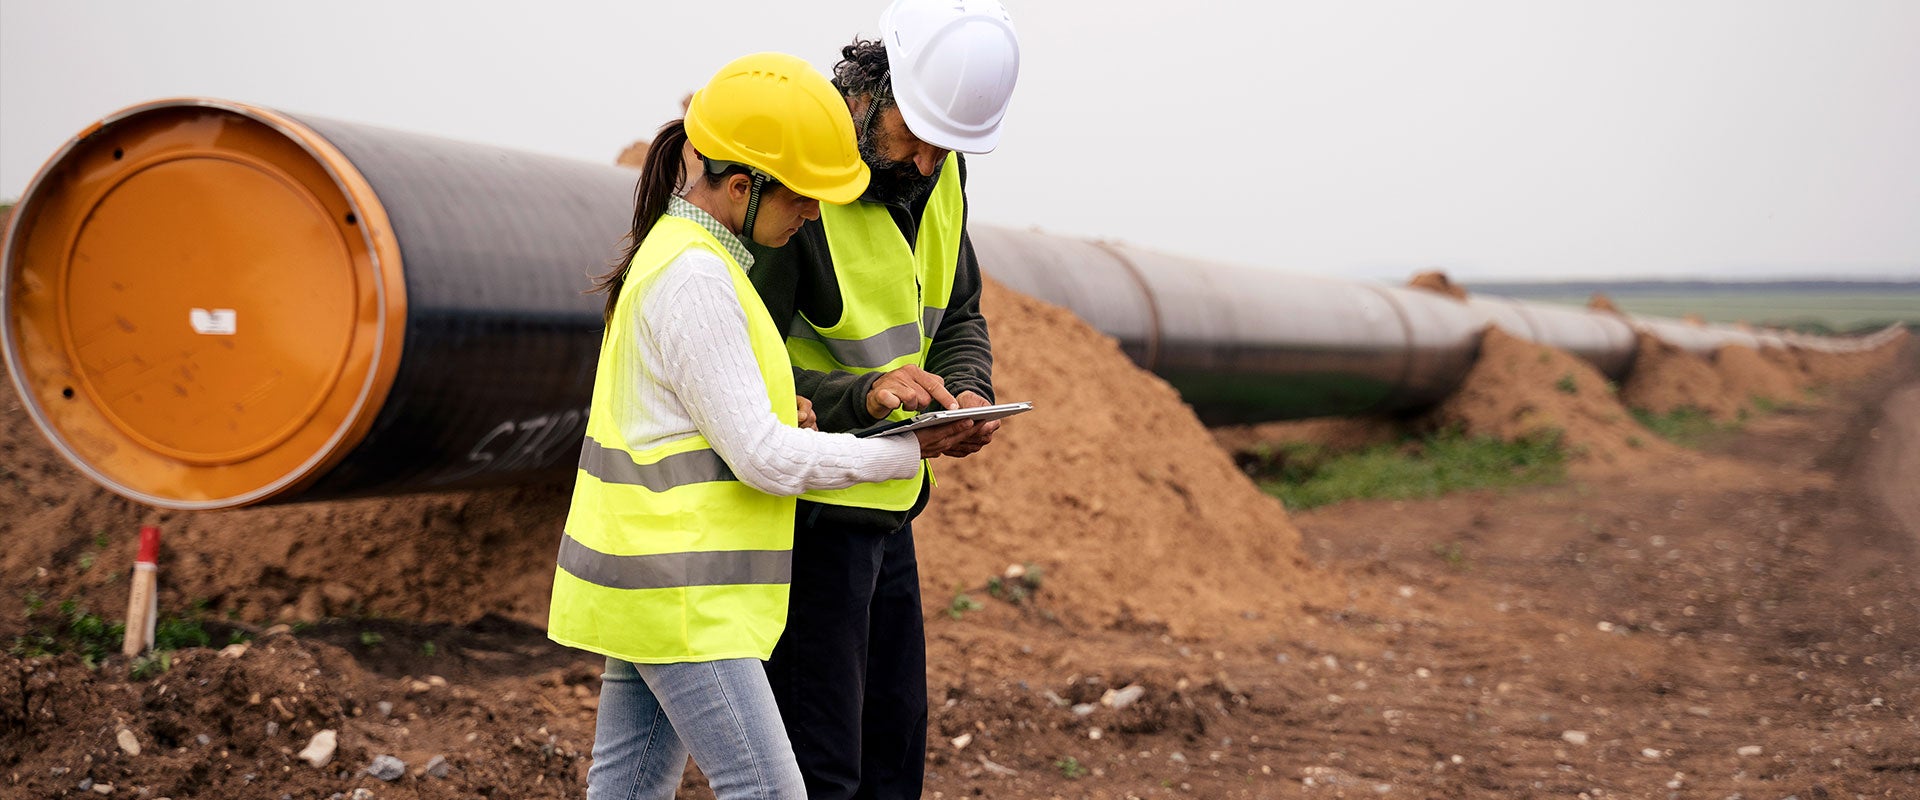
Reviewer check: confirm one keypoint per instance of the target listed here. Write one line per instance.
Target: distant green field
(1838, 311)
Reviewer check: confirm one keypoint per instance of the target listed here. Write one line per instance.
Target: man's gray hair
(863, 70)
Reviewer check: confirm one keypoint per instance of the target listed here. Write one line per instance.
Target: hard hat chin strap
(874, 101)
(753, 204)
(760, 182)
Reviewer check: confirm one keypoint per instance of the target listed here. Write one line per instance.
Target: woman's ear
(738, 187)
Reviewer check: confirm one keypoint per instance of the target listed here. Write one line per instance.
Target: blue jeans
(652, 716)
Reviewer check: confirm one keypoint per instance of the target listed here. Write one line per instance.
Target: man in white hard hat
(881, 303)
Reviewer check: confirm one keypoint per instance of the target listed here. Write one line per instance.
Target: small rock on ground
(386, 767)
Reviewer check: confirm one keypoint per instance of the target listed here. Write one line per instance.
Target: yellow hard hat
(777, 114)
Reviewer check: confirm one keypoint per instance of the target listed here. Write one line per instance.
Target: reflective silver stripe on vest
(873, 352)
(679, 469)
(930, 320)
(674, 570)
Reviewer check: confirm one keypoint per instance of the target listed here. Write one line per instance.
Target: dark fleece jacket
(799, 278)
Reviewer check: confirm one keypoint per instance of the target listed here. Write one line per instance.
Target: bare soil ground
(1743, 623)
(1740, 622)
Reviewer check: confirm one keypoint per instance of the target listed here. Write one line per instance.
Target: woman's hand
(807, 418)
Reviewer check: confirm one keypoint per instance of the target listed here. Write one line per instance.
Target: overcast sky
(1497, 140)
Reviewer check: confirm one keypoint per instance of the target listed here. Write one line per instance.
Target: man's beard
(895, 183)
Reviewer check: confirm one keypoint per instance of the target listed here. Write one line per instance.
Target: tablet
(933, 418)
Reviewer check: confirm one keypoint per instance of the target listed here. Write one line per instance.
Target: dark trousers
(850, 672)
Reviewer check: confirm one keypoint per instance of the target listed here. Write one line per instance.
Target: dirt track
(1743, 622)
(1629, 634)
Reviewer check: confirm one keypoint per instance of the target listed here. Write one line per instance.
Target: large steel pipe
(1604, 340)
(1241, 343)
(209, 304)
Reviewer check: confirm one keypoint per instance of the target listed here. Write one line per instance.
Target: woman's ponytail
(659, 182)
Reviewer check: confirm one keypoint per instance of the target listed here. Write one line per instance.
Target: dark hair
(863, 70)
(659, 181)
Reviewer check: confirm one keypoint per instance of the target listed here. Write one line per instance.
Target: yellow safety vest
(668, 557)
(889, 312)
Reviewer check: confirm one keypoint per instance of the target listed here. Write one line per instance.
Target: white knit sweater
(688, 368)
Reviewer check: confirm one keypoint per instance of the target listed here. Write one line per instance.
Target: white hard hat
(954, 63)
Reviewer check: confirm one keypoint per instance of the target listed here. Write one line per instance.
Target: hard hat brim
(840, 193)
(927, 128)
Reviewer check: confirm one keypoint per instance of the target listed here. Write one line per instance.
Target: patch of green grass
(371, 639)
(75, 630)
(1015, 590)
(1070, 768)
(1010, 591)
(1687, 427)
(72, 628)
(1305, 476)
(1454, 554)
(962, 603)
(174, 633)
(150, 665)
(1566, 384)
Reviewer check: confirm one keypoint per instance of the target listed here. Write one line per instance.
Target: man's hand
(980, 436)
(940, 439)
(908, 387)
(807, 418)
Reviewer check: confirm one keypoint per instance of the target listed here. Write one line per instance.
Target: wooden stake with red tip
(143, 603)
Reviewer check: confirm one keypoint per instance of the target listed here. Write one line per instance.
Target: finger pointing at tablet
(908, 387)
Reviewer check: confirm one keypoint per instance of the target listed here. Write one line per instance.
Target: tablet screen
(933, 418)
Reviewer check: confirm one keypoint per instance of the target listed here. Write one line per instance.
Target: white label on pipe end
(215, 322)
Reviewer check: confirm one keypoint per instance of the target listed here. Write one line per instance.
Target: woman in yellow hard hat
(677, 550)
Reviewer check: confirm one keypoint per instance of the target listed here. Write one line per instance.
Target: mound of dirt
(1601, 302)
(1438, 283)
(1814, 368)
(635, 155)
(1111, 485)
(1522, 390)
(1666, 378)
(1748, 375)
(1823, 368)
